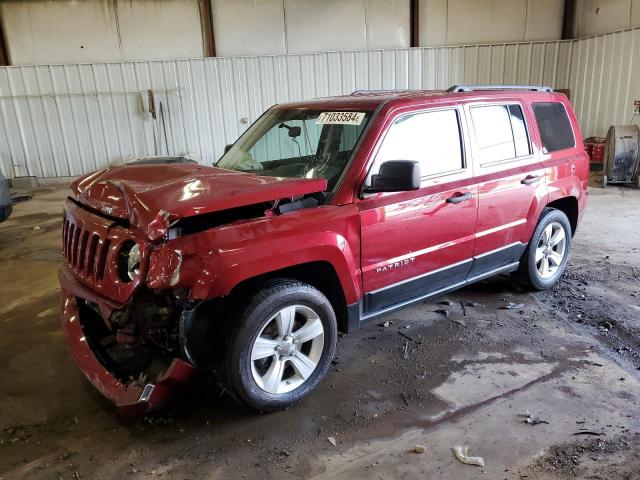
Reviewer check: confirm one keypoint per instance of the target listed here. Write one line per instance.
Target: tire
(5, 212)
(532, 269)
(268, 369)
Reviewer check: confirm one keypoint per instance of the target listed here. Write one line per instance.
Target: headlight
(129, 264)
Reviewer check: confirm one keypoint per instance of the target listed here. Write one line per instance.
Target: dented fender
(217, 260)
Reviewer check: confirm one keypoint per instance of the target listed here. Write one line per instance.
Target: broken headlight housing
(129, 261)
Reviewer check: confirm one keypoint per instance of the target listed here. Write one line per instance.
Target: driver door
(419, 243)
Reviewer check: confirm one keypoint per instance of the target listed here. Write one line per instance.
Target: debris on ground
(35, 227)
(405, 351)
(606, 326)
(332, 441)
(462, 323)
(445, 302)
(443, 311)
(419, 449)
(534, 419)
(589, 432)
(461, 454)
(512, 306)
(408, 337)
(593, 364)
(473, 304)
(385, 324)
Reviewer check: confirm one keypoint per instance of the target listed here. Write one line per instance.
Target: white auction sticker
(340, 118)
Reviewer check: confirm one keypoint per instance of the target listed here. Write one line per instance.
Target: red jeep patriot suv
(324, 214)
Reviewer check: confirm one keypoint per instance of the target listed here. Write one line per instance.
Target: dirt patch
(591, 458)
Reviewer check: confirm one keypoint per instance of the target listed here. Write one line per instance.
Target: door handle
(530, 179)
(459, 197)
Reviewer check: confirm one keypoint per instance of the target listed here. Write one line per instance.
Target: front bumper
(128, 397)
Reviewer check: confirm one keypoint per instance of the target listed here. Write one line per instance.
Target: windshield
(298, 143)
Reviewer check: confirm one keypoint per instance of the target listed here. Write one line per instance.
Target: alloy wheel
(287, 350)
(551, 250)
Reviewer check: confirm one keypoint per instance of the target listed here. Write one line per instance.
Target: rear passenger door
(511, 181)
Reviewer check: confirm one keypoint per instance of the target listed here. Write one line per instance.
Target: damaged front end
(125, 291)
(134, 378)
(123, 336)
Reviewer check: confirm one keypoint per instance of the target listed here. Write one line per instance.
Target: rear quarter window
(554, 126)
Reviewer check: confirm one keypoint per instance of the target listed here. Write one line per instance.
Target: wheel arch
(569, 206)
(319, 274)
(203, 327)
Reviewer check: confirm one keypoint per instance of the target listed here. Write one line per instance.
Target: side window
(431, 138)
(554, 126)
(519, 129)
(501, 133)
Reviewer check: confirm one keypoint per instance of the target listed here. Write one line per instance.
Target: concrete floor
(570, 356)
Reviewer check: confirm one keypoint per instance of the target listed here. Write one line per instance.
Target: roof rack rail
(471, 88)
(364, 92)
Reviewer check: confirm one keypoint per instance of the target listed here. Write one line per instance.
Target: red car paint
(145, 194)
(369, 241)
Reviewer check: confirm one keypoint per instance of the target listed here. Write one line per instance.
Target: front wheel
(546, 257)
(281, 347)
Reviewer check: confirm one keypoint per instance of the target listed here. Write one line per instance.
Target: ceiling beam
(415, 23)
(206, 24)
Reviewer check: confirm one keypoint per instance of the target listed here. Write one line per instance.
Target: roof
(364, 99)
(371, 99)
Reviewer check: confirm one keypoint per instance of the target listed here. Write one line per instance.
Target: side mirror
(396, 176)
(228, 147)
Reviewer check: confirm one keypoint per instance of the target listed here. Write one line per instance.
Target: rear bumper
(128, 397)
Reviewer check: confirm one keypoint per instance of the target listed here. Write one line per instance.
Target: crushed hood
(151, 197)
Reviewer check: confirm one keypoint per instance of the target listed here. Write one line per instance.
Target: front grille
(85, 251)
(91, 244)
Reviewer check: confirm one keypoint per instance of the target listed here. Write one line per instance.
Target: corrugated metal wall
(60, 121)
(605, 80)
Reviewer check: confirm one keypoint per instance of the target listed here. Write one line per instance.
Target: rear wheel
(546, 257)
(281, 347)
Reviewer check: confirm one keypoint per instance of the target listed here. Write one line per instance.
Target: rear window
(501, 133)
(554, 126)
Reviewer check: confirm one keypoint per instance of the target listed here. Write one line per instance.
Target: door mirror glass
(396, 176)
